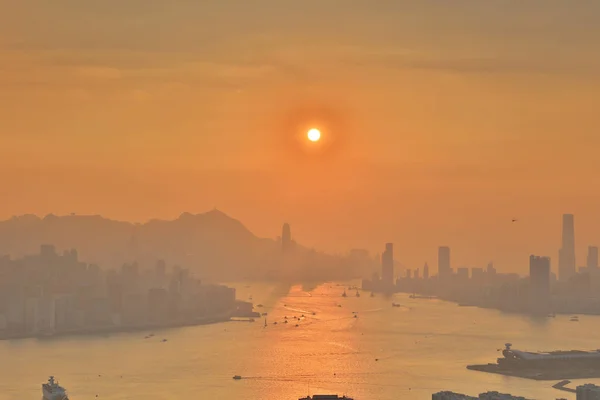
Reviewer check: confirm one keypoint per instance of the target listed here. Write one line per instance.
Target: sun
(314, 135)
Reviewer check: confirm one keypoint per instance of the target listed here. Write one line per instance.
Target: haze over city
(311, 200)
(449, 119)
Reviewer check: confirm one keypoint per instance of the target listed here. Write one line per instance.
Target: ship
(326, 397)
(53, 391)
(552, 365)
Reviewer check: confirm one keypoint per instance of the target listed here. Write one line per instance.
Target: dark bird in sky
(514, 220)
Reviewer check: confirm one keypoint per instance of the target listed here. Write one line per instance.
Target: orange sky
(445, 120)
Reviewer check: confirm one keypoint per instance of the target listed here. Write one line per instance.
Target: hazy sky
(443, 119)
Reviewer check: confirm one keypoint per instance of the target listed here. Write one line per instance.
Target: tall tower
(444, 270)
(426, 271)
(592, 258)
(286, 238)
(566, 254)
(387, 266)
(539, 283)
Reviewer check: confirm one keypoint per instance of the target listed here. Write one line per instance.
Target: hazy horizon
(445, 120)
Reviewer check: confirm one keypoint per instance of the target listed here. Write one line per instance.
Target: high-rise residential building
(592, 258)
(444, 270)
(426, 271)
(462, 274)
(387, 266)
(588, 392)
(539, 283)
(566, 254)
(478, 275)
(286, 237)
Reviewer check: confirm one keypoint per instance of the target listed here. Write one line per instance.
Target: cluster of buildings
(482, 396)
(588, 392)
(50, 293)
(584, 392)
(571, 291)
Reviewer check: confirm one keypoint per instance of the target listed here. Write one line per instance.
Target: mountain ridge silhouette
(207, 242)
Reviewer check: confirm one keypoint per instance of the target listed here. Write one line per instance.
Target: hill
(212, 244)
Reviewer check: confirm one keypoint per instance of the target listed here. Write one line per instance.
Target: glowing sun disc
(314, 135)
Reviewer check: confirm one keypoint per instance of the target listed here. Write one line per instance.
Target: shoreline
(537, 375)
(119, 329)
(504, 310)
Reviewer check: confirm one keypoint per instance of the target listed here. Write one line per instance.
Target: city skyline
(440, 141)
(313, 200)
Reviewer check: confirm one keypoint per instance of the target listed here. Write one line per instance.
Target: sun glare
(314, 135)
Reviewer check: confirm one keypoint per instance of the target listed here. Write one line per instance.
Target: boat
(237, 377)
(53, 391)
(325, 397)
(265, 322)
(372, 294)
(285, 322)
(344, 294)
(264, 314)
(395, 305)
(574, 318)
(357, 294)
(259, 306)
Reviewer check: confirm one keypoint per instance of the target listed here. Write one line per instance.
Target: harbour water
(385, 353)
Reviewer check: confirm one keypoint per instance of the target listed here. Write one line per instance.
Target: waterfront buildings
(592, 258)
(539, 283)
(444, 269)
(588, 392)
(482, 396)
(49, 293)
(566, 254)
(387, 266)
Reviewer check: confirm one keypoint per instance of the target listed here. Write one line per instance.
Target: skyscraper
(387, 266)
(444, 270)
(566, 255)
(539, 283)
(286, 237)
(592, 258)
(426, 271)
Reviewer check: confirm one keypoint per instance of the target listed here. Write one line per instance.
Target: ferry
(237, 377)
(326, 397)
(53, 391)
